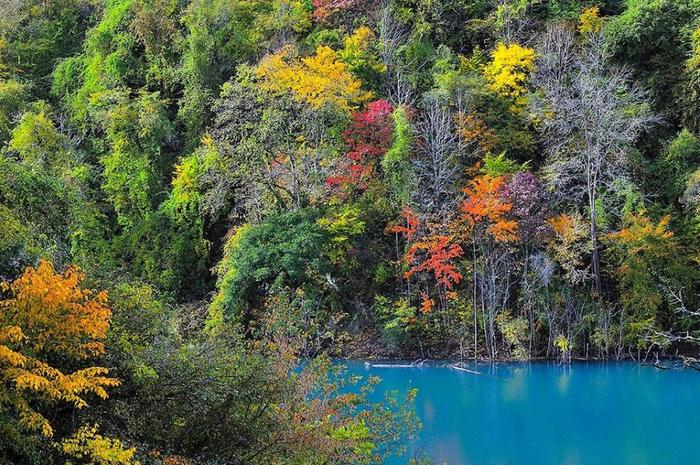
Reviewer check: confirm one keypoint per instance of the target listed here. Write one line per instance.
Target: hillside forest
(204, 202)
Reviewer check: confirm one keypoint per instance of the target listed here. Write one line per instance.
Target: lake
(545, 414)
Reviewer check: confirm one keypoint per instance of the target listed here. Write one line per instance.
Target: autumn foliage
(49, 316)
(87, 444)
(324, 8)
(435, 254)
(485, 205)
(368, 138)
(473, 130)
(56, 314)
(408, 228)
(508, 71)
(319, 80)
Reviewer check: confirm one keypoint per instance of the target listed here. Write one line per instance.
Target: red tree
(368, 138)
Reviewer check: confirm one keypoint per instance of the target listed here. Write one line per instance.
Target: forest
(204, 203)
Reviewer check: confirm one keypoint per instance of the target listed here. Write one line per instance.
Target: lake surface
(544, 414)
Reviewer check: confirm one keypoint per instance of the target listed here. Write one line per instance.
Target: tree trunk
(595, 258)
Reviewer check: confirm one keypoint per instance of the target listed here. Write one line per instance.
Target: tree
(326, 9)
(692, 85)
(39, 144)
(590, 21)
(436, 162)
(484, 220)
(593, 113)
(110, 61)
(486, 205)
(320, 79)
(360, 53)
(647, 259)
(277, 150)
(87, 446)
(48, 318)
(368, 138)
(396, 163)
(138, 133)
(35, 36)
(530, 210)
(508, 71)
(653, 38)
(288, 248)
(438, 253)
(47, 188)
(13, 97)
(671, 172)
(568, 247)
(220, 35)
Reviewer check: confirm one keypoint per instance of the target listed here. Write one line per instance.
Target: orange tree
(431, 255)
(49, 328)
(486, 223)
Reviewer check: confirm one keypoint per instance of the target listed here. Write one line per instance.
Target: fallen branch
(456, 366)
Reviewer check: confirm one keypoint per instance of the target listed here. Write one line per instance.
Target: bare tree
(592, 114)
(436, 165)
(687, 338)
(392, 36)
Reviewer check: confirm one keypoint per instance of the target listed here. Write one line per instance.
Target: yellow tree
(508, 71)
(48, 316)
(590, 21)
(319, 80)
(87, 446)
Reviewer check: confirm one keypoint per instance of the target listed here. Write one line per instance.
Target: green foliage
(162, 144)
(38, 143)
(17, 246)
(360, 53)
(109, 61)
(288, 248)
(647, 258)
(219, 35)
(34, 35)
(42, 187)
(499, 165)
(356, 432)
(515, 333)
(13, 98)
(396, 162)
(342, 226)
(675, 167)
(139, 317)
(399, 319)
(136, 131)
(654, 38)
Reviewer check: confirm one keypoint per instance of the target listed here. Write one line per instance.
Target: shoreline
(484, 361)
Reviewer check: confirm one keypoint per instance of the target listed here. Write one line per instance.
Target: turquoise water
(544, 414)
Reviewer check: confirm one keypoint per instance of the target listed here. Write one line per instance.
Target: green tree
(289, 248)
(653, 37)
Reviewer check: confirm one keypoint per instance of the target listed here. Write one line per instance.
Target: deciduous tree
(320, 79)
(593, 113)
(50, 317)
